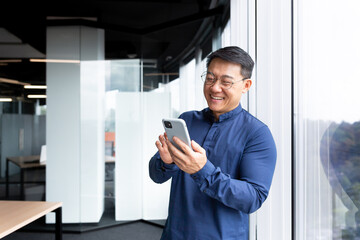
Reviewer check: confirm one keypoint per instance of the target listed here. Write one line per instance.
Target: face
(221, 100)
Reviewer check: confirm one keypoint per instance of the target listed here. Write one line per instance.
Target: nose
(216, 87)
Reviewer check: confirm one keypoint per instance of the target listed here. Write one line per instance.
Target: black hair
(236, 55)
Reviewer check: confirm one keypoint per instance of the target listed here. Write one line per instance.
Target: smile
(216, 98)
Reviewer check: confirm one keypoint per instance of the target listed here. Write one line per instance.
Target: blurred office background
(91, 81)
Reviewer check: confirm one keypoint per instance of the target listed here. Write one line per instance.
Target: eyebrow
(227, 76)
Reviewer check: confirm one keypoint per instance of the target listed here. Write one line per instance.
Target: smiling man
(228, 171)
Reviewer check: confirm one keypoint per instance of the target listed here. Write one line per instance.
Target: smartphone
(176, 127)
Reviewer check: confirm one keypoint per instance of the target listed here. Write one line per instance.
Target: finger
(174, 151)
(197, 148)
(158, 145)
(162, 140)
(178, 161)
(184, 147)
(170, 146)
(160, 148)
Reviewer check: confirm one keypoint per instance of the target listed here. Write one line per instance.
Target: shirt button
(194, 177)
(204, 191)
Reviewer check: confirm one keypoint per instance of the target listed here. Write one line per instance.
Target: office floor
(131, 231)
(107, 228)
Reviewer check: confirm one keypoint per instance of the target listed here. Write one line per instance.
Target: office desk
(24, 163)
(16, 214)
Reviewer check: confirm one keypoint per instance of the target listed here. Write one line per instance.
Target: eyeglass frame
(204, 74)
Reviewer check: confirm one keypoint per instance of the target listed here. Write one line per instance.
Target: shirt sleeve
(256, 171)
(159, 171)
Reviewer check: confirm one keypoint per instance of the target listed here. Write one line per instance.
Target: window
(327, 119)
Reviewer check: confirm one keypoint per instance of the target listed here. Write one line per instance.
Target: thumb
(196, 147)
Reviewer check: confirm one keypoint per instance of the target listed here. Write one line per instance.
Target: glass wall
(327, 119)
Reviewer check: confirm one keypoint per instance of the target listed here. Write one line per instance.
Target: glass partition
(327, 120)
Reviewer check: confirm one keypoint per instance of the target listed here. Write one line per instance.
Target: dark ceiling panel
(151, 29)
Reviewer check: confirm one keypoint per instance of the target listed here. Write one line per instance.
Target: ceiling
(153, 29)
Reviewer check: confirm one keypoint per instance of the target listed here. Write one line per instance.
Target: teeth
(216, 98)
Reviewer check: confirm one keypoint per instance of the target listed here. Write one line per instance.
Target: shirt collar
(208, 113)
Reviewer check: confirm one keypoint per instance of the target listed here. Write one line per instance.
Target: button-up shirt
(214, 203)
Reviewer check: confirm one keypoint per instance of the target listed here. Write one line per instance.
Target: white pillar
(75, 126)
(273, 106)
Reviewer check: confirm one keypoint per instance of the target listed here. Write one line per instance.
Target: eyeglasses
(226, 82)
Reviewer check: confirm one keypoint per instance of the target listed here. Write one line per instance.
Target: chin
(216, 110)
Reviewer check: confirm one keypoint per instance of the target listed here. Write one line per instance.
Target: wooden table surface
(27, 161)
(16, 214)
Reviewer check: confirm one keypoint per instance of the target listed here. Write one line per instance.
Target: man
(228, 172)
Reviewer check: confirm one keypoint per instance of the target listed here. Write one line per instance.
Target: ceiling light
(12, 81)
(36, 96)
(94, 19)
(10, 60)
(35, 86)
(5, 99)
(54, 60)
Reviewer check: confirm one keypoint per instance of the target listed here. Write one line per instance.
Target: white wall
(263, 29)
(128, 156)
(75, 134)
(92, 130)
(187, 86)
(155, 196)
(138, 124)
(242, 34)
(273, 106)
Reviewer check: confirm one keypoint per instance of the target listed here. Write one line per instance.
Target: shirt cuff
(200, 176)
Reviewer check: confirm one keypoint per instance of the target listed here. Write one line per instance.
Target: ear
(247, 85)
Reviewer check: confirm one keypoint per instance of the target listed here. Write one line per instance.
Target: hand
(163, 150)
(189, 160)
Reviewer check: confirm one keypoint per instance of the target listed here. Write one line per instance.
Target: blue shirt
(214, 203)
